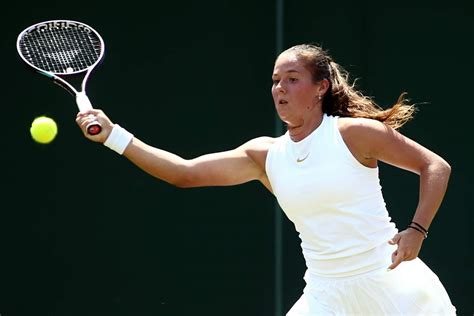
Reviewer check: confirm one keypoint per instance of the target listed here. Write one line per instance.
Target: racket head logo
(64, 59)
(59, 24)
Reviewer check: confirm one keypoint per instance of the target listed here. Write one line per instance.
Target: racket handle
(84, 104)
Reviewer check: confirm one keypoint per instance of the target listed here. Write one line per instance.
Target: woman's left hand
(409, 244)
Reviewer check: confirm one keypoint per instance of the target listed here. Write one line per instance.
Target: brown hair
(342, 98)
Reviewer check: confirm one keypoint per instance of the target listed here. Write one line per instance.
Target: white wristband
(118, 139)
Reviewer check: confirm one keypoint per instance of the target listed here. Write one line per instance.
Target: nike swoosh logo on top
(302, 159)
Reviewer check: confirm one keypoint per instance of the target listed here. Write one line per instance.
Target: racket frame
(82, 100)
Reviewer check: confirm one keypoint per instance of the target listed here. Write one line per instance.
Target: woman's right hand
(83, 119)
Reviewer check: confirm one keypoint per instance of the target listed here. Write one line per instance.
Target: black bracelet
(420, 227)
(425, 235)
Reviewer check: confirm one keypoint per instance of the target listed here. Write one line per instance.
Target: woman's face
(295, 95)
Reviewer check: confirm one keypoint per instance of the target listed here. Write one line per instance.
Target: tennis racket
(60, 50)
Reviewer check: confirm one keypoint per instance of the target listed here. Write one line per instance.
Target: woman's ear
(323, 87)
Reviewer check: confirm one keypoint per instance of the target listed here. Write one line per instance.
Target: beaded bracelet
(416, 228)
(419, 228)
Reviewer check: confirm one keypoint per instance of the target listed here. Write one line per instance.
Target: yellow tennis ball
(43, 129)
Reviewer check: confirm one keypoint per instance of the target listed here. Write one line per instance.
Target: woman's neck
(308, 126)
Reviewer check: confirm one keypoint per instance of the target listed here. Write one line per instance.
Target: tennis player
(323, 172)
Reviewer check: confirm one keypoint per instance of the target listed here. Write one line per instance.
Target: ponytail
(343, 99)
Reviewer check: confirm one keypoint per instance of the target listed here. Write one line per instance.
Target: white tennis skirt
(410, 289)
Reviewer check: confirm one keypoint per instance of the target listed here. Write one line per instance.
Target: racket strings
(61, 50)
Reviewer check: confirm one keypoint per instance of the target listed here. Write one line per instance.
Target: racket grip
(83, 102)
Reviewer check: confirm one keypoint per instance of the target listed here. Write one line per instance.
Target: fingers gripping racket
(60, 49)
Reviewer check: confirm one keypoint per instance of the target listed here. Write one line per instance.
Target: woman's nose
(279, 88)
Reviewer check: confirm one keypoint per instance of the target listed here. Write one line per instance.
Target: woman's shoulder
(362, 136)
(261, 143)
(358, 125)
(257, 149)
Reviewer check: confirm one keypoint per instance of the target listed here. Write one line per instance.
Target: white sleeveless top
(334, 201)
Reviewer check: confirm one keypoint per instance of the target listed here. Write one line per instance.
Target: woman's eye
(293, 79)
